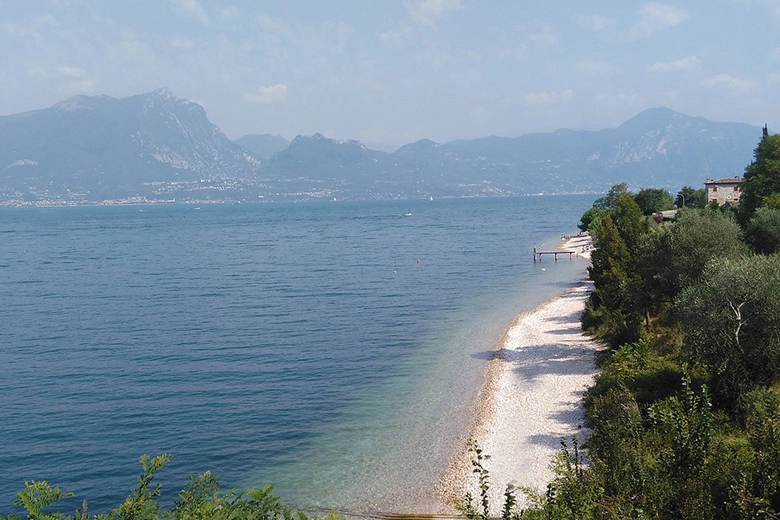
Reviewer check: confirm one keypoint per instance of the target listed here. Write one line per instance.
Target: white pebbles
(530, 401)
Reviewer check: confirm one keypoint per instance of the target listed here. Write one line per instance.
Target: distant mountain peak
(99, 147)
(155, 145)
(81, 102)
(657, 117)
(417, 147)
(163, 92)
(319, 138)
(659, 111)
(162, 96)
(72, 104)
(300, 138)
(312, 137)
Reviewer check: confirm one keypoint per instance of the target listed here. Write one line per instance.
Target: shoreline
(581, 245)
(530, 398)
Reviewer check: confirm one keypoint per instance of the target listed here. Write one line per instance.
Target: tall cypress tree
(762, 177)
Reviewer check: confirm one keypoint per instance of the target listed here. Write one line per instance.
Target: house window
(714, 189)
(736, 188)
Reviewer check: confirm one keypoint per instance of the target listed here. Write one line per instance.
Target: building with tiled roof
(723, 191)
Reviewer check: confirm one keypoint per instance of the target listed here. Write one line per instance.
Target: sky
(395, 71)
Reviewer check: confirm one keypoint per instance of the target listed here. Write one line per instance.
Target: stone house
(723, 191)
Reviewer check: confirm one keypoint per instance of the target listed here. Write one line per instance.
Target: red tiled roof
(727, 180)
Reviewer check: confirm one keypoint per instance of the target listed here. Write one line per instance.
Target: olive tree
(674, 256)
(731, 320)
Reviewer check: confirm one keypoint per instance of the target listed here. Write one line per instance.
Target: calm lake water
(331, 349)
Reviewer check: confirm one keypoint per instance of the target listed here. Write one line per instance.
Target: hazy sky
(395, 71)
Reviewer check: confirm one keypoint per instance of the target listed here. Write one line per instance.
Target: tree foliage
(610, 199)
(199, 500)
(763, 230)
(608, 309)
(629, 220)
(673, 256)
(689, 197)
(732, 323)
(686, 421)
(610, 312)
(653, 200)
(37, 496)
(762, 177)
(591, 218)
(659, 446)
(761, 493)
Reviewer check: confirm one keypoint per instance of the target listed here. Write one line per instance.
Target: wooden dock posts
(538, 254)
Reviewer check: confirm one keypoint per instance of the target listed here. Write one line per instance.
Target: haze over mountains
(157, 147)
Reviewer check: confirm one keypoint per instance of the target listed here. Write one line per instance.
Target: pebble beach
(531, 398)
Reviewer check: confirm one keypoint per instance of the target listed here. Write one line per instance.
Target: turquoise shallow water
(302, 345)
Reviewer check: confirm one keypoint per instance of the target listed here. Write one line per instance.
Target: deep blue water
(302, 345)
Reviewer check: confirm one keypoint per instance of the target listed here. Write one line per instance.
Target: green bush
(200, 499)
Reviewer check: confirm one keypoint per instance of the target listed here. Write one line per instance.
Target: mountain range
(157, 147)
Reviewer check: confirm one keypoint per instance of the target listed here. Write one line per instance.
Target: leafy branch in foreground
(36, 496)
(200, 499)
(466, 506)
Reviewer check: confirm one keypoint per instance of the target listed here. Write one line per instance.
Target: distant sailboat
(431, 197)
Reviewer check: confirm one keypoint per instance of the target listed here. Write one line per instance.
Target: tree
(673, 256)
(141, 503)
(629, 221)
(763, 230)
(590, 218)
(609, 263)
(697, 238)
(731, 321)
(772, 201)
(653, 200)
(653, 265)
(689, 197)
(762, 177)
(615, 443)
(612, 196)
(610, 313)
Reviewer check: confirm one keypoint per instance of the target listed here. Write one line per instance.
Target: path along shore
(531, 397)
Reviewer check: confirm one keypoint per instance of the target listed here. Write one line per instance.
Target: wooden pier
(538, 254)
